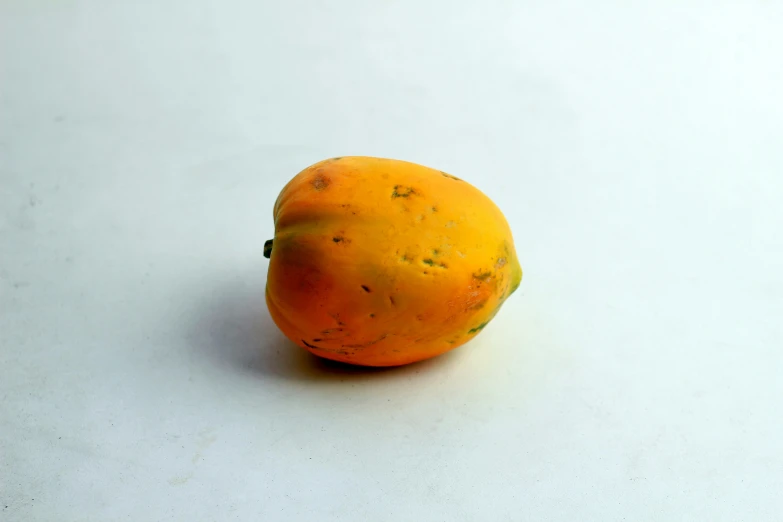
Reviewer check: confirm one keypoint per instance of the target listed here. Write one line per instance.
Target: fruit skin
(382, 262)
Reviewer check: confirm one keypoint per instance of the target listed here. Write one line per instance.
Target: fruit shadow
(233, 329)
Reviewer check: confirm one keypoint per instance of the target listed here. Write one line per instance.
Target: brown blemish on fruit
(348, 207)
(366, 288)
(483, 276)
(392, 301)
(431, 262)
(332, 330)
(501, 262)
(336, 317)
(455, 178)
(401, 191)
(505, 247)
(322, 349)
(479, 305)
(365, 345)
(320, 182)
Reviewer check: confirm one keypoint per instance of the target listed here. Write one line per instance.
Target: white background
(635, 147)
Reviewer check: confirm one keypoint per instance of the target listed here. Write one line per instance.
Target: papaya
(384, 262)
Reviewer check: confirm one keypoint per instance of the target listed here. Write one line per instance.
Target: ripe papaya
(382, 262)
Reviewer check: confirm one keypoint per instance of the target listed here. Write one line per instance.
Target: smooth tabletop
(635, 148)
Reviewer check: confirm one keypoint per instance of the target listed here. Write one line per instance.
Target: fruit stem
(268, 248)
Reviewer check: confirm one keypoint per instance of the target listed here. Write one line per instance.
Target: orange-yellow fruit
(382, 262)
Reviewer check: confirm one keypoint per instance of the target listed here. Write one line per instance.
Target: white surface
(635, 150)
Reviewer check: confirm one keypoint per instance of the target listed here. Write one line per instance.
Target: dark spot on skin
(372, 316)
(332, 330)
(338, 158)
(406, 259)
(478, 328)
(366, 289)
(317, 340)
(425, 272)
(430, 262)
(336, 317)
(401, 191)
(338, 239)
(365, 345)
(434, 209)
(455, 178)
(330, 350)
(347, 206)
(435, 252)
(479, 305)
(419, 317)
(391, 300)
(483, 276)
(320, 182)
(452, 342)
